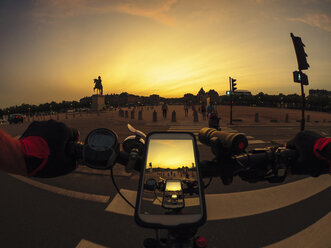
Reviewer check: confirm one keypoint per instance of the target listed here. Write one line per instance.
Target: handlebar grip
(256, 159)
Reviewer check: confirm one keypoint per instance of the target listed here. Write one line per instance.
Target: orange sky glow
(53, 49)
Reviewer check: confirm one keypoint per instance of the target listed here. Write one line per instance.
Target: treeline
(315, 103)
(44, 108)
(293, 101)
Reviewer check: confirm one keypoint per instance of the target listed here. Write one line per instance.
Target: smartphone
(173, 196)
(170, 191)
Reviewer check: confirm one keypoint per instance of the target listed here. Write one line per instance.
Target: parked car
(15, 118)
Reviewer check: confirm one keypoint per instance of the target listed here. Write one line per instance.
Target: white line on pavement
(240, 204)
(65, 192)
(119, 206)
(316, 235)
(88, 244)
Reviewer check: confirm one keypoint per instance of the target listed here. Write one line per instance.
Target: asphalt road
(36, 216)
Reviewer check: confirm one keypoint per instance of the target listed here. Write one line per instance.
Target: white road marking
(119, 206)
(88, 244)
(316, 235)
(240, 204)
(65, 192)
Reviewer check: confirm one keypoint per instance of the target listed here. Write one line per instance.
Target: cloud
(155, 10)
(322, 21)
(158, 14)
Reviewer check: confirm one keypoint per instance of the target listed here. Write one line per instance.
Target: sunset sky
(164, 153)
(53, 49)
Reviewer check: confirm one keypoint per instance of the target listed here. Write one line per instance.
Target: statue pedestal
(98, 102)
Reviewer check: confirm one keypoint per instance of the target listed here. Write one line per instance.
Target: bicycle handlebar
(259, 163)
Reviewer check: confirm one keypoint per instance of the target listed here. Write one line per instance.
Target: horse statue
(98, 85)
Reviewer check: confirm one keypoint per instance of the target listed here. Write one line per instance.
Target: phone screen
(170, 185)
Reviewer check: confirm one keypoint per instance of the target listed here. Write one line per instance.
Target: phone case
(202, 198)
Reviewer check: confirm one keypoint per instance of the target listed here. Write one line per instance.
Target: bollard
(140, 115)
(126, 114)
(195, 116)
(308, 118)
(132, 114)
(257, 119)
(286, 118)
(173, 116)
(154, 116)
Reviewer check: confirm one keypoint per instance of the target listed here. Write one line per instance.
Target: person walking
(164, 110)
(186, 109)
(193, 108)
(210, 109)
(203, 110)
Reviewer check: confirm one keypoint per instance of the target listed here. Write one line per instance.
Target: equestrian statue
(98, 85)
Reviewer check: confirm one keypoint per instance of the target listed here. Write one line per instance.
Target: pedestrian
(210, 109)
(164, 110)
(186, 109)
(203, 110)
(193, 108)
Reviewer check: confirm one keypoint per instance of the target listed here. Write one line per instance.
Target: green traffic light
(299, 77)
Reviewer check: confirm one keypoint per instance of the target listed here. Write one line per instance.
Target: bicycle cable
(117, 189)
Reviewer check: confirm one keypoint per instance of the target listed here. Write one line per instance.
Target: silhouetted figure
(210, 109)
(193, 108)
(186, 109)
(98, 85)
(213, 119)
(164, 110)
(203, 111)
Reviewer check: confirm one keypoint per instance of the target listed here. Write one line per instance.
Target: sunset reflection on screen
(170, 154)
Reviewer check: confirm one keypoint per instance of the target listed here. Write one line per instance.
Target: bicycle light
(223, 142)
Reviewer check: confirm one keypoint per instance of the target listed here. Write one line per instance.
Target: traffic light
(300, 77)
(228, 92)
(300, 52)
(233, 84)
